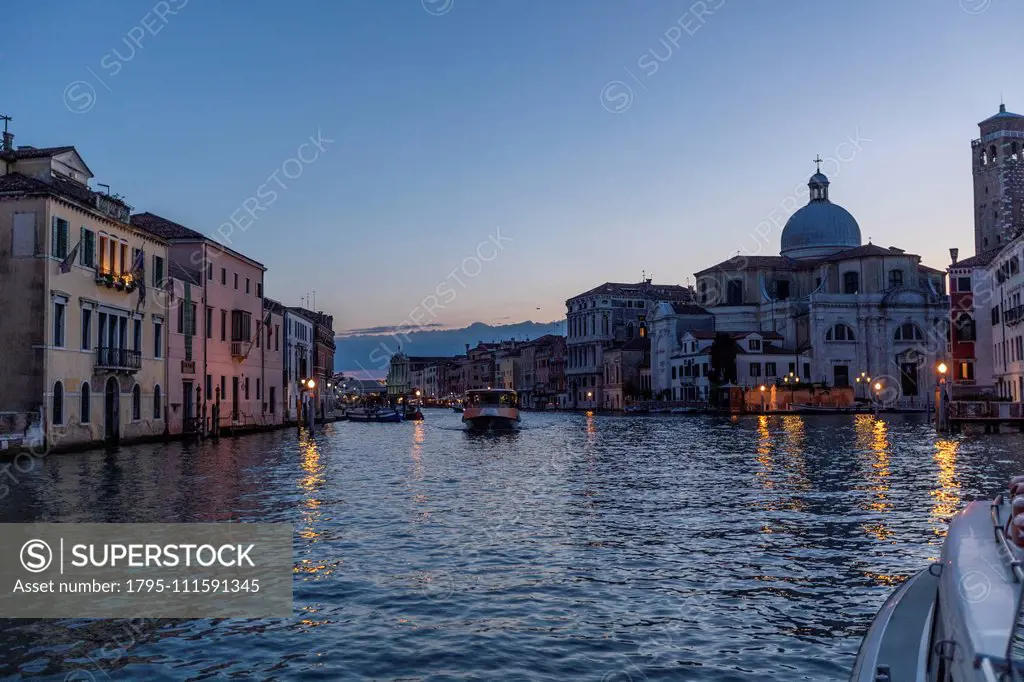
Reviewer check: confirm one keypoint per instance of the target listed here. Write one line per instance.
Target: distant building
(998, 174)
(624, 363)
(975, 312)
(611, 312)
(186, 350)
(299, 335)
(271, 390)
(760, 360)
(323, 356)
(669, 322)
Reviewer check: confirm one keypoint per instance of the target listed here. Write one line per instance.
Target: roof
(643, 289)
(273, 306)
(168, 229)
(29, 152)
(744, 262)
(16, 183)
(978, 261)
(819, 225)
(1002, 115)
(708, 334)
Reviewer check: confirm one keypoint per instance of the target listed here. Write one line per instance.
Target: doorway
(908, 379)
(112, 412)
(188, 407)
(234, 399)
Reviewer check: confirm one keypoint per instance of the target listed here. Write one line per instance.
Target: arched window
(58, 403)
(136, 403)
(992, 153)
(908, 331)
(984, 158)
(629, 330)
(840, 332)
(86, 408)
(157, 404)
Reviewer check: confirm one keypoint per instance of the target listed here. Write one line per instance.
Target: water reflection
(750, 547)
(946, 497)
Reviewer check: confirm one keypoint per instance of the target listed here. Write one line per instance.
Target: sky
(449, 161)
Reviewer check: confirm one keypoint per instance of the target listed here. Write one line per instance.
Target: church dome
(820, 228)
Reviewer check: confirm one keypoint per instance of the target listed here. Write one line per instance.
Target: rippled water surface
(582, 548)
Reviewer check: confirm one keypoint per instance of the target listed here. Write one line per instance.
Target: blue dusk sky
(591, 139)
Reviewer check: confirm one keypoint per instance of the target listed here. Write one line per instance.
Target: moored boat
(958, 618)
(492, 409)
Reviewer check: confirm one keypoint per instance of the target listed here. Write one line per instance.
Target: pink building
(229, 329)
(185, 348)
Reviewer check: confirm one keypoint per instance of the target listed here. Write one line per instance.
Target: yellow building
(82, 360)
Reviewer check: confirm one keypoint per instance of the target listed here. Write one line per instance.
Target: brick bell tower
(997, 159)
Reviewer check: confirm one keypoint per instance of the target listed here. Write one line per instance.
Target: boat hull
(387, 416)
(491, 418)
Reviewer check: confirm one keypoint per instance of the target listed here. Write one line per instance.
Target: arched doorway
(112, 412)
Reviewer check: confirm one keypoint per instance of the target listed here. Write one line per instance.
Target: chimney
(953, 254)
(8, 143)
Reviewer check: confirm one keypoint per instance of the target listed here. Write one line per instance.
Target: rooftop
(645, 289)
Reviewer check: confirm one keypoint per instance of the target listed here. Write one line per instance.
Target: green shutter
(53, 237)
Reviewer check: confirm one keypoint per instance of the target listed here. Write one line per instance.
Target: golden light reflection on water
(947, 496)
(764, 452)
(419, 437)
(311, 484)
(872, 434)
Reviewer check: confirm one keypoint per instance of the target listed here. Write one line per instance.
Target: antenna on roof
(8, 139)
(106, 187)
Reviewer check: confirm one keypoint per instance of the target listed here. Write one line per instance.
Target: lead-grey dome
(820, 228)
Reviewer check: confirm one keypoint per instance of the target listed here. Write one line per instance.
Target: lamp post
(878, 391)
(762, 399)
(941, 402)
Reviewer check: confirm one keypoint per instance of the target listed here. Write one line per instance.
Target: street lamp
(942, 371)
(311, 384)
(762, 398)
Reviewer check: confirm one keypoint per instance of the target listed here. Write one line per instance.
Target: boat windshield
(501, 398)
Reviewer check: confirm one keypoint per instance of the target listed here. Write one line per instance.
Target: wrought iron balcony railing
(120, 359)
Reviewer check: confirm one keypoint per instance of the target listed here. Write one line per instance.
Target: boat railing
(1011, 665)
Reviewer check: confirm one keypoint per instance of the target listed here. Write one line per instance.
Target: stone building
(623, 364)
(84, 353)
(998, 180)
(842, 307)
(298, 359)
(596, 319)
(668, 324)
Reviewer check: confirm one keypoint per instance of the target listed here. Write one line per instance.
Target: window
(782, 289)
(58, 404)
(734, 292)
(246, 285)
(86, 328)
(673, 372)
(209, 385)
(908, 331)
(807, 370)
(209, 272)
(241, 325)
(124, 259)
(851, 283)
(840, 332)
(223, 325)
(59, 243)
(755, 369)
(59, 307)
(236, 281)
(137, 335)
(158, 338)
(840, 376)
(965, 330)
(223, 387)
(272, 399)
(754, 344)
(158, 271)
(190, 320)
(995, 315)
(963, 285)
(259, 289)
(277, 334)
(209, 322)
(270, 333)
(247, 388)
(769, 369)
(965, 371)
(85, 411)
(23, 235)
(157, 403)
(259, 392)
(895, 278)
(224, 276)
(88, 256)
(181, 319)
(136, 403)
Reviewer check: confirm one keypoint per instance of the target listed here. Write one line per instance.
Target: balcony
(188, 366)
(239, 349)
(1014, 315)
(116, 280)
(118, 359)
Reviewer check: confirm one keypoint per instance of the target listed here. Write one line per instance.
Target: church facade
(845, 311)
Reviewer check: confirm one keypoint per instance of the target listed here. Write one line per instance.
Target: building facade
(185, 350)
(84, 348)
(668, 324)
(272, 391)
(998, 171)
(229, 326)
(612, 312)
(841, 307)
(298, 360)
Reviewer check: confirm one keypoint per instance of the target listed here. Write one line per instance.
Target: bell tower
(998, 168)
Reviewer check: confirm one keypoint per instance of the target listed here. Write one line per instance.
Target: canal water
(580, 548)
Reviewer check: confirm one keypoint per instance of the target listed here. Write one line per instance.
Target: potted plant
(130, 287)
(119, 284)
(109, 279)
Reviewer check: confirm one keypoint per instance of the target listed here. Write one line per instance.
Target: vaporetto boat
(491, 409)
(960, 618)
